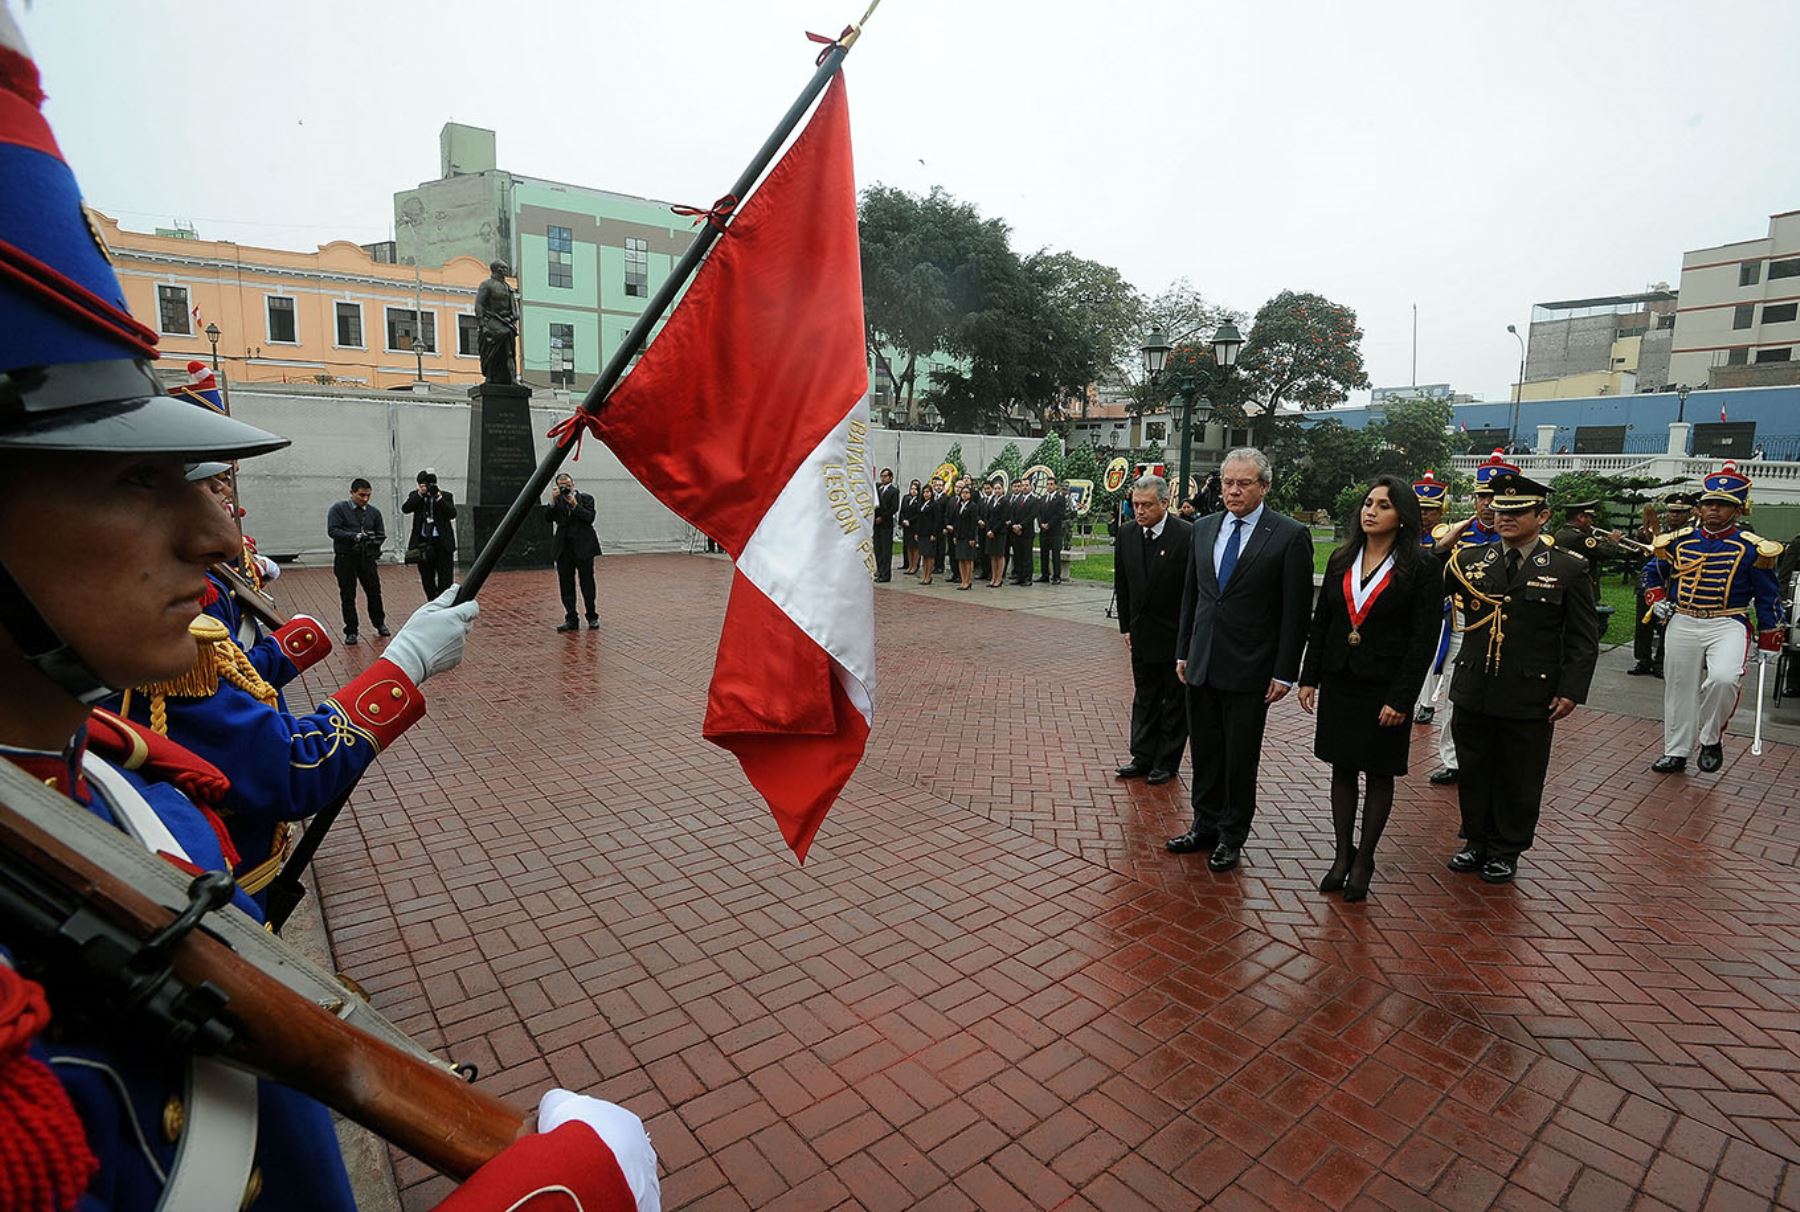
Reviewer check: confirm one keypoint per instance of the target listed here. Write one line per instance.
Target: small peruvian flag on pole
(1721, 410)
(749, 417)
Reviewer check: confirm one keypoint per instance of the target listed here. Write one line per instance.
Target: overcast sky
(1470, 158)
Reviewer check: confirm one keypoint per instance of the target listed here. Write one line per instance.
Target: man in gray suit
(1244, 615)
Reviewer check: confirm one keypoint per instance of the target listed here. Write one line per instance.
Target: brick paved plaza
(990, 987)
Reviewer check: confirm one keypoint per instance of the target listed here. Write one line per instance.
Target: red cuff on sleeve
(381, 701)
(568, 1170)
(304, 641)
(1770, 640)
(1654, 594)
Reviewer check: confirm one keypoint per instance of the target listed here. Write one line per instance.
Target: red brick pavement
(991, 987)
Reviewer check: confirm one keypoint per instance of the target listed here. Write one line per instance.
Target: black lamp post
(419, 353)
(1681, 395)
(1519, 391)
(1155, 351)
(1226, 342)
(213, 334)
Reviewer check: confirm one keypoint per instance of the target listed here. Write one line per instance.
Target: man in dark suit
(887, 508)
(1244, 613)
(1150, 569)
(574, 545)
(1053, 511)
(1021, 519)
(433, 537)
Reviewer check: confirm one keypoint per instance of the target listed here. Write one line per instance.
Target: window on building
(561, 241)
(637, 267)
(283, 326)
(1744, 315)
(1775, 355)
(1156, 431)
(562, 355)
(1738, 357)
(1779, 313)
(1749, 273)
(1665, 321)
(349, 325)
(468, 336)
(172, 311)
(1789, 268)
(403, 323)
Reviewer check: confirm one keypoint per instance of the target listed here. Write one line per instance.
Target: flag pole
(710, 230)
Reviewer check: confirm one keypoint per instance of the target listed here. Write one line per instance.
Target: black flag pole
(715, 225)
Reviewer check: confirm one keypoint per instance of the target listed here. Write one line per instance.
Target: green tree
(1189, 319)
(1049, 452)
(1302, 349)
(1082, 462)
(1415, 436)
(953, 455)
(1010, 459)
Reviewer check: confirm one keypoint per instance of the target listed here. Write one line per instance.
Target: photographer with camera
(575, 545)
(433, 543)
(357, 534)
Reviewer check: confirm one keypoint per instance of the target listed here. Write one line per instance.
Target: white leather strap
(218, 1140)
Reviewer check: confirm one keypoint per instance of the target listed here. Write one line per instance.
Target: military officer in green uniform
(1580, 537)
(1530, 639)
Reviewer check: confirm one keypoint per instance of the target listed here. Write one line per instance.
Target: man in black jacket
(1053, 511)
(357, 534)
(1021, 519)
(433, 536)
(574, 545)
(1150, 568)
(887, 508)
(1244, 613)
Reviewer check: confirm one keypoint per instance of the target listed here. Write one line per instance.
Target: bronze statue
(497, 316)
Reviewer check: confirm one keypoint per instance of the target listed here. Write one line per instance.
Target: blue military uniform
(1710, 580)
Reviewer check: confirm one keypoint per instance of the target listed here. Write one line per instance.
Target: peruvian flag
(1722, 416)
(749, 417)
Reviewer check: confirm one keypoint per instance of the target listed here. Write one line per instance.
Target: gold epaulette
(1549, 539)
(219, 659)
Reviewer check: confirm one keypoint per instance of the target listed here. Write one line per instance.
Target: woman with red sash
(1374, 631)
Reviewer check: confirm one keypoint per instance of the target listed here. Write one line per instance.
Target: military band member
(1532, 637)
(1647, 633)
(1477, 530)
(1431, 494)
(1702, 582)
(1580, 537)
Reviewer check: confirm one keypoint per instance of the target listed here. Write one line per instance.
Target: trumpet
(1634, 545)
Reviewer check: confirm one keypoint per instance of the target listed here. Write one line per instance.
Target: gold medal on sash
(1355, 637)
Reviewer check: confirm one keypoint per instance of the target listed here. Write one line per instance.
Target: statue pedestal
(502, 456)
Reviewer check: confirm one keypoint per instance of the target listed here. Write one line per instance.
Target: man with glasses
(1149, 570)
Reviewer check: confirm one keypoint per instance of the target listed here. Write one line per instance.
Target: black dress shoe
(1425, 715)
(1711, 757)
(1191, 842)
(1133, 769)
(382, 631)
(1657, 673)
(1158, 777)
(350, 638)
(1465, 860)
(571, 625)
(1499, 870)
(1225, 856)
(1445, 776)
(1357, 892)
(1641, 669)
(593, 622)
(1334, 879)
(1668, 763)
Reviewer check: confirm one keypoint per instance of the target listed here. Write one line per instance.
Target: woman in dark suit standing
(994, 534)
(909, 528)
(927, 522)
(966, 533)
(1374, 631)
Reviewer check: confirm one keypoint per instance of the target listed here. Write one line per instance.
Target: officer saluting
(1531, 636)
(1579, 537)
(1701, 582)
(1447, 538)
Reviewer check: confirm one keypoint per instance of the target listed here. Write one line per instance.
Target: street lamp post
(419, 353)
(1188, 405)
(1681, 395)
(1519, 390)
(1226, 342)
(213, 334)
(1155, 351)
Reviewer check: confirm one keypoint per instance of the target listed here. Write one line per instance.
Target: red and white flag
(749, 417)
(1722, 416)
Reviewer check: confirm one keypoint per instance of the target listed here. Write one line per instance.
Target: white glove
(432, 640)
(1765, 657)
(269, 568)
(623, 1133)
(1663, 610)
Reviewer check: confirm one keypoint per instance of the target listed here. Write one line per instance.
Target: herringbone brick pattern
(991, 987)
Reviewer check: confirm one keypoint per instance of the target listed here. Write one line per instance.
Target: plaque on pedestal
(502, 456)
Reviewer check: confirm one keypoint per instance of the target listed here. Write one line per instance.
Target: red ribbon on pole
(829, 42)
(574, 428)
(715, 215)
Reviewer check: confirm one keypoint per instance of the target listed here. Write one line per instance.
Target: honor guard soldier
(1702, 581)
(103, 1111)
(1532, 637)
(1579, 537)
(1431, 494)
(1447, 539)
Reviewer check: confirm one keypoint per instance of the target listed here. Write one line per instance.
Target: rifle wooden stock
(425, 1109)
(249, 596)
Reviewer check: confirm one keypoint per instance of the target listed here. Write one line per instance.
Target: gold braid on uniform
(1493, 620)
(219, 660)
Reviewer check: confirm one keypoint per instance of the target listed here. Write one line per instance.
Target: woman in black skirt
(967, 533)
(909, 526)
(1374, 631)
(927, 522)
(994, 534)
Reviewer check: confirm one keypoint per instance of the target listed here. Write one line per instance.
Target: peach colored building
(337, 315)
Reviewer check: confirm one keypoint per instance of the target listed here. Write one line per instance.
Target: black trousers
(1225, 735)
(1021, 558)
(567, 566)
(1158, 714)
(1646, 637)
(1502, 763)
(884, 553)
(437, 571)
(1049, 556)
(354, 568)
